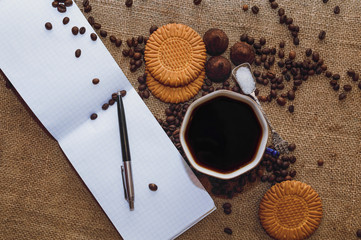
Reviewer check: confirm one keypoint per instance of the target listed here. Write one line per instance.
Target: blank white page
(57, 87)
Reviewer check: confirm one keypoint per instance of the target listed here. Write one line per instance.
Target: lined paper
(58, 88)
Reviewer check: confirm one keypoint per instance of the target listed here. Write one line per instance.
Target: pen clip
(124, 188)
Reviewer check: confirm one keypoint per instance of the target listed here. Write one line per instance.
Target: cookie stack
(175, 56)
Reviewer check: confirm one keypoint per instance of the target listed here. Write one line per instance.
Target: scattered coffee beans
(197, 2)
(153, 28)
(291, 147)
(82, 30)
(66, 20)
(227, 211)
(97, 26)
(128, 3)
(255, 9)
(105, 106)
(75, 30)
(347, 87)
(228, 230)
(93, 36)
(93, 116)
(153, 187)
(322, 35)
(77, 53)
(292, 55)
(48, 26)
(320, 162)
(336, 10)
(61, 8)
(91, 20)
(245, 7)
(95, 81)
(355, 77)
(341, 96)
(103, 33)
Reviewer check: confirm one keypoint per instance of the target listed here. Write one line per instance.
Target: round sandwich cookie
(174, 94)
(290, 210)
(175, 55)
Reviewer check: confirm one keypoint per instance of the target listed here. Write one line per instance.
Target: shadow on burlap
(42, 197)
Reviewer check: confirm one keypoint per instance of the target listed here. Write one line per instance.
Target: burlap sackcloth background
(42, 197)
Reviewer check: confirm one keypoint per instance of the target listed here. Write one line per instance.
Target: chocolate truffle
(218, 69)
(242, 52)
(216, 41)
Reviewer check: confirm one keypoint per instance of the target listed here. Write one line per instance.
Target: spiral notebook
(58, 88)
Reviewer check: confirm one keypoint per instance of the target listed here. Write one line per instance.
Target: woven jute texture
(42, 197)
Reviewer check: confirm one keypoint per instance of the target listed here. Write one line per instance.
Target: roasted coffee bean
(257, 46)
(336, 10)
(284, 95)
(82, 30)
(281, 63)
(66, 20)
(68, 3)
(323, 67)
(245, 7)
(359, 85)
(125, 52)
(131, 52)
(55, 4)
(244, 37)
(145, 94)
(262, 41)
(347, 87)
(103, 33)
(325, 1)
(105, 106)
(88, 9)
(274, 5)
(256, 73)
(112, 38)
(294, 34)
(114, 96)
(355, 77)
(285, 165)
(282, 44)
(358, 233)
(328, 74)
(93, 116)
(252, 177)
(315, 56)
(95, 81)
(123, 93)
(271, 60)
(77, 53)
(271, 178)
(281, 12)
(280, 86)
(281, 101)
(292, 55)
(296, 41)
(118, 42)
(153, 28)
(336, 87)
(351, 72)
(250, 40)
(333, 82)
(61, 8)
(85, 3)
(97, 26)
(289, 21)
(255, 9)
(341, 96)
(308, 52)
(132, 62)
(153, 186)
(227, 211)
(291, 108)
(264, 178)
(137, 56)
(292, 173)
(228, 230)
(226, 205)
(111, 102)
(48, 26)
(292, 147)
(263, 58)
(138, 63)
(322, 35)
(320, 162)
(141, 80)
(291, 95)
(128, 3)
(281, 53)
(197, 2)
(132, 68)
(93, 36)
(75, 30)
(91, 20)
(336, 76)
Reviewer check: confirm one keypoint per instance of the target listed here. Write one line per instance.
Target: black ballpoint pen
(127, 176)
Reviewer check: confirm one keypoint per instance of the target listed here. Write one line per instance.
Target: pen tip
(131, 205)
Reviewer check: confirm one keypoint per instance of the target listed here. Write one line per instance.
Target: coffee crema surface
(223, 134)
